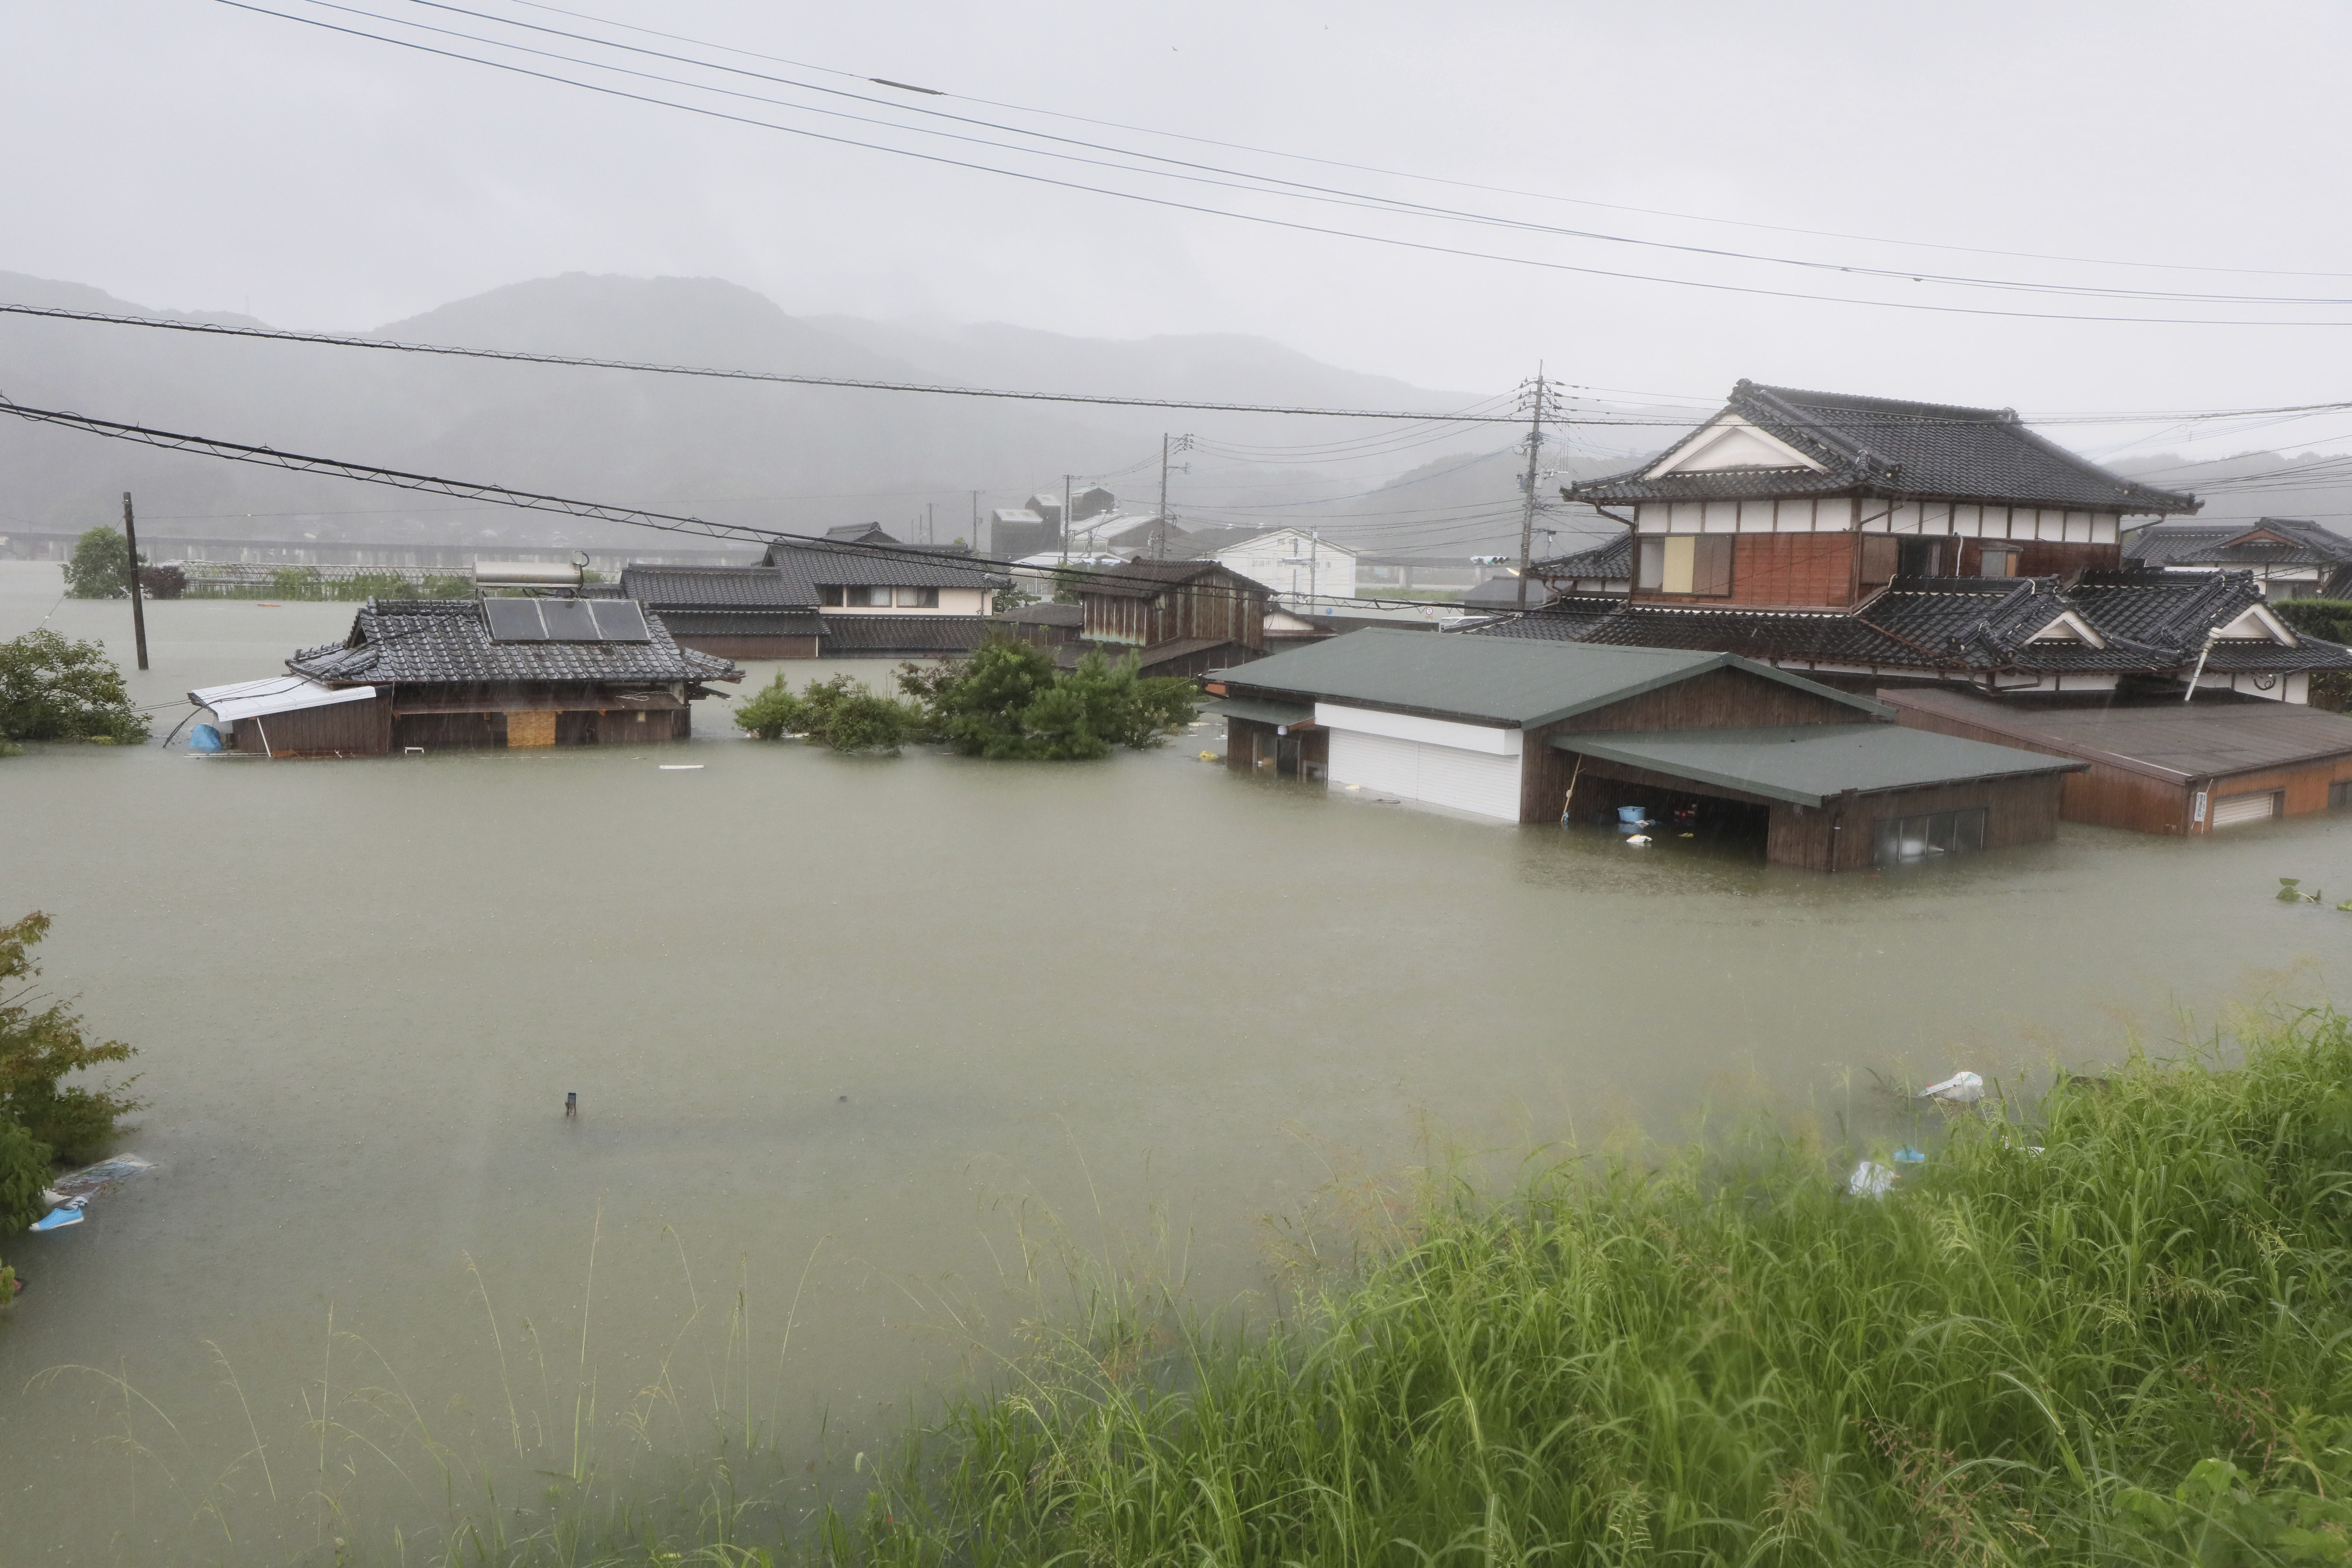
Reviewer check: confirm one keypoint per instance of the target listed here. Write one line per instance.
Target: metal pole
(1527, 506)
(1159, 523)
(1065, 519)
(138, 604)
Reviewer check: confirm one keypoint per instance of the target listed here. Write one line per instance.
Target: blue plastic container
(1633, 816)
(204, 738)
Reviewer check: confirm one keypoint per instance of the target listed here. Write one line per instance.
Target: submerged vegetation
(2115, 1337)
(53, 687)
(44, 1117)
(1007, 700)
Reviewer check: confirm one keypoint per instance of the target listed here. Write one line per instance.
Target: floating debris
(1906, 1155)
(104, 1176)
(1960, 1088)
(681, 767)
(1870, 1180)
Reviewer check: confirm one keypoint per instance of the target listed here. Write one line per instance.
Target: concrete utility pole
(1160, 524)
(975, 522)
(930, 522)
(1527, 503)
(1065, 519)
(138, 604)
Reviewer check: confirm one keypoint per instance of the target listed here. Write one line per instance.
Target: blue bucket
(1633, 816)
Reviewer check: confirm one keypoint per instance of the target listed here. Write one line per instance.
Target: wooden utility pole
(1527, 503)
(138, 604)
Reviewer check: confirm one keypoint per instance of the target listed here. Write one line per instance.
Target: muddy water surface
(851, 1028)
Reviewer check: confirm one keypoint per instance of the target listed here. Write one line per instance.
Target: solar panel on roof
(514, 620)
(568, 620)
(620, 620)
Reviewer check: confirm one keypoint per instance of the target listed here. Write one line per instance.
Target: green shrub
(55, 689)
(839, 714)
(2328, 618)
(101, 567)
(1008, 701)
(162, 582)
(38, 1050)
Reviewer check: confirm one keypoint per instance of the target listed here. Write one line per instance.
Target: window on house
(1996, 561)
(828, 596)
(2339, 794)
(918, 598)
(1917, 557)
(878, 596)
(1908, 840)
(1686, 564)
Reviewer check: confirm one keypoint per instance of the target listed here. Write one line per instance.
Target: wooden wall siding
(1217, 604)
(448, 732)
(531, 727)
(2305, 786)
(2108, 795)
(338, 730)
(1243, 738)
(1794, 569)
(2043, 558)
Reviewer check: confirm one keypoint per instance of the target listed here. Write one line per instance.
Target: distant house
(1545, 731)
(1180, 617)
(1304, 572)
(1501, 594)
(809, 600)
(1869, 542)
(1044, 624)
(1605, 568)
(1014, 532)
(2289, 558)
(860, 534)
(444, 673)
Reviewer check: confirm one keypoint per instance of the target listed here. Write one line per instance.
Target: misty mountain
(790, 458)
(2313, 485)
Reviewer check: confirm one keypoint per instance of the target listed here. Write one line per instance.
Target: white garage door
(1473, 782)
(2232, 809)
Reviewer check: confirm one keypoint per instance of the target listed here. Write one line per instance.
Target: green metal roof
(1809, 763)
(1259, 709)
(1509, 681)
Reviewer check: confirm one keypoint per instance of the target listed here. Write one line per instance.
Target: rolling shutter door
(1473, 782)
(2232, 809)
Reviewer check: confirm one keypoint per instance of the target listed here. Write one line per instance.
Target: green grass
(2130, 1346)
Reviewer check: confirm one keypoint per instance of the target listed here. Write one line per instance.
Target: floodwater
(846, 1035)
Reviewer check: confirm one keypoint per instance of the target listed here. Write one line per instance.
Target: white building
(1305, 572)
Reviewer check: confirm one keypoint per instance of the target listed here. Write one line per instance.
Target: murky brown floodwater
(859, 1012)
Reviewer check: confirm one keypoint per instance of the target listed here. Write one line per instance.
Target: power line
(1393, 241)
(1398, 174)
(1292, 187)
(532, 500)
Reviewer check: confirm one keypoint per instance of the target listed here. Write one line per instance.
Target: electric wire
(1403, 175)
(1391, 241)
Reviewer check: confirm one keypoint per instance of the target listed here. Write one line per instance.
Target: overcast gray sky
(185, 153)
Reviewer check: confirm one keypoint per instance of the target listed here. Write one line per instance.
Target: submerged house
(1544, 731)
(1176, 617)
(855, 598)
(1869, 542)
(435, 673)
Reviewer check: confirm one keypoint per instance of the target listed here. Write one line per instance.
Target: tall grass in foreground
(2119, 1334)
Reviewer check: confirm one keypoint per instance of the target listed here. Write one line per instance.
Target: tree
(162, 582)
(1009, 701)
(24, 1172)
(38, 1049)
(101, 567)
(55, 689)
(1010, 596)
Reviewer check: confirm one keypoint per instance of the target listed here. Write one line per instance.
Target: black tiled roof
(904, 634)
(1563, 620)
(711, 587)
(1612, 557)
(2301, 544)
(1048, 614)
(744, 622)
(432, 641)
(807, 567)
(1883, 447)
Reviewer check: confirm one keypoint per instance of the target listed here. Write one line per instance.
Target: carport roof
(1810, 764)
(1508, 682)
(1261, 710)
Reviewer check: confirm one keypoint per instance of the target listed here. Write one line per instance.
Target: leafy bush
(838, 712)
(39, 1049)
(55, 689)
(2328, 618)
(1007, 700)
(101, 567)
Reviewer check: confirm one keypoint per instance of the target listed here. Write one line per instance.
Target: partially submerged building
(439, 673)
(1176, 617)
(1868, 541)
(1524, 731)
(863, 597)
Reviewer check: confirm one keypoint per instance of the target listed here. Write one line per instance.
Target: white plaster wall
(1491, 738)
(1477, 783)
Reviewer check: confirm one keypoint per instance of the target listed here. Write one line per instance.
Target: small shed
(2165, 766)
(294, 716)
(1529, 731)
